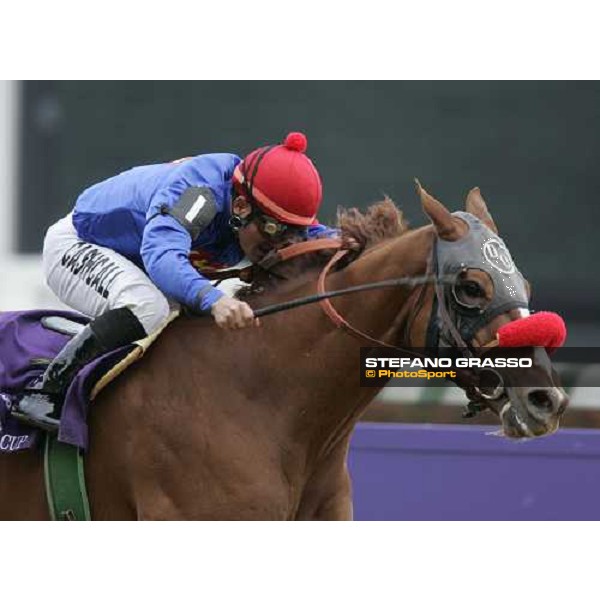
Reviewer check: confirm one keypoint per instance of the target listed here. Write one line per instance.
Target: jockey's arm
(165, 249)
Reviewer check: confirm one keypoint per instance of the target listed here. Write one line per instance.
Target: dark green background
(532, 147)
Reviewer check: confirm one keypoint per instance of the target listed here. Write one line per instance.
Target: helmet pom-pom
(295, 141)
(545, 329)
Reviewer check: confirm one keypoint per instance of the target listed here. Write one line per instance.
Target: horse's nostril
(541, 400)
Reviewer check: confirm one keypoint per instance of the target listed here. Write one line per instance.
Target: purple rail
(455, 472)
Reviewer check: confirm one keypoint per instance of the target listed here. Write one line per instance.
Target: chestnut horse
(256, 423)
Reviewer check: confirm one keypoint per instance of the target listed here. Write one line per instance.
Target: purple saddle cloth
(25, 345)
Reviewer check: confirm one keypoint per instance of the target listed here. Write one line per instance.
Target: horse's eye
(469, 293)
(472, 288)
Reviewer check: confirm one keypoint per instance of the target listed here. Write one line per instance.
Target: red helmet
(282, 181)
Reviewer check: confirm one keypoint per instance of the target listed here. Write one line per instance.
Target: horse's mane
(381, 221)
(359, 230)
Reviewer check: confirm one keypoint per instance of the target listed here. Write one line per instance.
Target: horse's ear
(476, 205)
(448, 227)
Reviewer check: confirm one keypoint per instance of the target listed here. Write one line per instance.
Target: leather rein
(478, 399)
(323, 296)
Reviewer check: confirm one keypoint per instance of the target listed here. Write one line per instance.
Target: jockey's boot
(42, 403)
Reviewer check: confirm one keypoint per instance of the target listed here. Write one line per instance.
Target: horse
(256, 423)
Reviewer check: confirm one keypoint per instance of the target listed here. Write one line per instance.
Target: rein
(477, 397)
(323, 296)
(339, 321)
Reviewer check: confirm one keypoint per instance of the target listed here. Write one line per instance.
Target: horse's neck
(298, 366)
(375, 312)
(326, 359)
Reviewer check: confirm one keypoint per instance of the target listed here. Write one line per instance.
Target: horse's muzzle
(533, 411)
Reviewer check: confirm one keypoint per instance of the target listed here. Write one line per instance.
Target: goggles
(273, 229)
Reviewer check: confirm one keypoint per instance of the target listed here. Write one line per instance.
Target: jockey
(122, 256)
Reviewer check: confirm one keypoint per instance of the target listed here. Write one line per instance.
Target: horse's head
(486, 292)
(479, 296)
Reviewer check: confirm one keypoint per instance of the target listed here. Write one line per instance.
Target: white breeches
(93, 280)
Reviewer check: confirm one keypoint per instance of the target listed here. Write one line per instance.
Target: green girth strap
(65, 481)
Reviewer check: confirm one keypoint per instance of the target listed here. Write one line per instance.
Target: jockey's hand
(230, 313)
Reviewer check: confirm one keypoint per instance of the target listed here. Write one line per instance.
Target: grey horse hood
(481, 249)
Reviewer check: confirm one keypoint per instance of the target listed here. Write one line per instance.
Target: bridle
(478, 399)
(470, 377)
